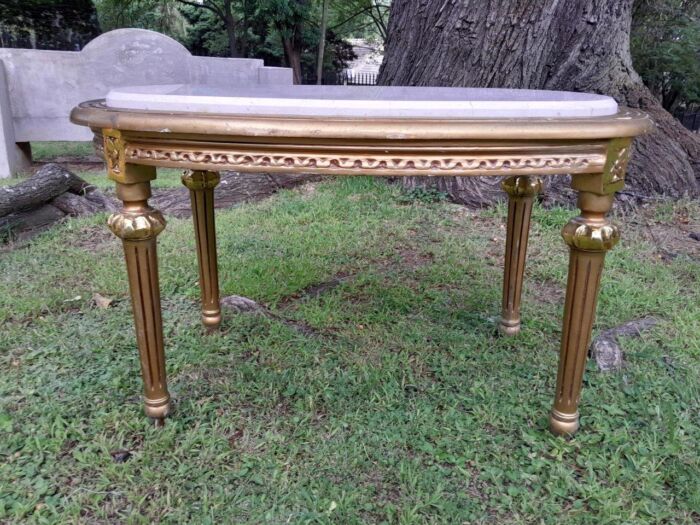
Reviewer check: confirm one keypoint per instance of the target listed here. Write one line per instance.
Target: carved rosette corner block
(521, 192)
(114, 147)
(136, 226)
(616, 164)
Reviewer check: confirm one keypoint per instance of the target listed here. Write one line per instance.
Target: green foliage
(361, 18)
(665, 43)
(399, 406)
(254, 28)
(157, 15)
(47, 24)
(206, 32)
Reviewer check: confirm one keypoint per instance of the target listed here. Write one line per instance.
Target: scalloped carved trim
(362, 163)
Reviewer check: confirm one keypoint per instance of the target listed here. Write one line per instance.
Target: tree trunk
(245, 23)
(49, 182)
(235, 188)
(575, 45)
(322, 42)
(291, 31)
(293, 57)
(230, 23)
(51, 194)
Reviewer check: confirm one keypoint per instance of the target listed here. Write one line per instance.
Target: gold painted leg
(137, 224)
(201, 185)
(521, 193)
(589, 237)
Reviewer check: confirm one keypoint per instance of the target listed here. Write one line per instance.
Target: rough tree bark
(576, 45)
(54, 192)
(50, 194)
(234, 188)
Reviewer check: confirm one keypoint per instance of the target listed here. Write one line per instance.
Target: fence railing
(690, 120)
(344, 78)
(360, 79)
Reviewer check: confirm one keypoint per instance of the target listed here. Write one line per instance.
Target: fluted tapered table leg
(137, 224)
(201, 185)
(521, 193)
(589, 236)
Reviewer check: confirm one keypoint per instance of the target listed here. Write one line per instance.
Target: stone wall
(40, 88)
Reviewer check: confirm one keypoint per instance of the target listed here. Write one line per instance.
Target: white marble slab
(363, 101)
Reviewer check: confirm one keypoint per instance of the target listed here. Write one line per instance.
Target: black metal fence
(689, 120)
(360, 79)
(344, 78)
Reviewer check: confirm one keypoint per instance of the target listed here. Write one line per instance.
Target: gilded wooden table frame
(594, 151)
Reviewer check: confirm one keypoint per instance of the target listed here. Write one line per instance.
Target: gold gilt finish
(201, 185)
(521, 193)
(612, 178)
(595, 151)
(589, 237)
(138, 225)
(363, 160)
(266, 129)
(114, 152)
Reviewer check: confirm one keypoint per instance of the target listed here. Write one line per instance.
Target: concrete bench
(38, 89)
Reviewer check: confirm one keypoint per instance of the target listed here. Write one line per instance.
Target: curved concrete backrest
(43, 86)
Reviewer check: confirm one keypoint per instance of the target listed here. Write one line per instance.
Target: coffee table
(383, 131)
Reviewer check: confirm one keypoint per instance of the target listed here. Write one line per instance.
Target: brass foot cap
(157, 408)
(509, 327)
(211, 320)
(563, 424)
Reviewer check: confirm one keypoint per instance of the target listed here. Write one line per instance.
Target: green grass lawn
(47, 151)
(396, 404)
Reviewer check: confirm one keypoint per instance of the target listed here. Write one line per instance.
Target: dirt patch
(546, 291)
(308, 189)
(95, 239)
(315, 290)
(672, 240)
(413, 259)
(239, 304)
(675, 233)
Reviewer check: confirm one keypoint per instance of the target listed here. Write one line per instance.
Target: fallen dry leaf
(101, 301)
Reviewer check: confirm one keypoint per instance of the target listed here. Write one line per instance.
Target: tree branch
(205, 5)
(351, 18)
(378, 21)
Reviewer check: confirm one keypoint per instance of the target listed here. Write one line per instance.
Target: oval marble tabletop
(363, 101)
(379, 131)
